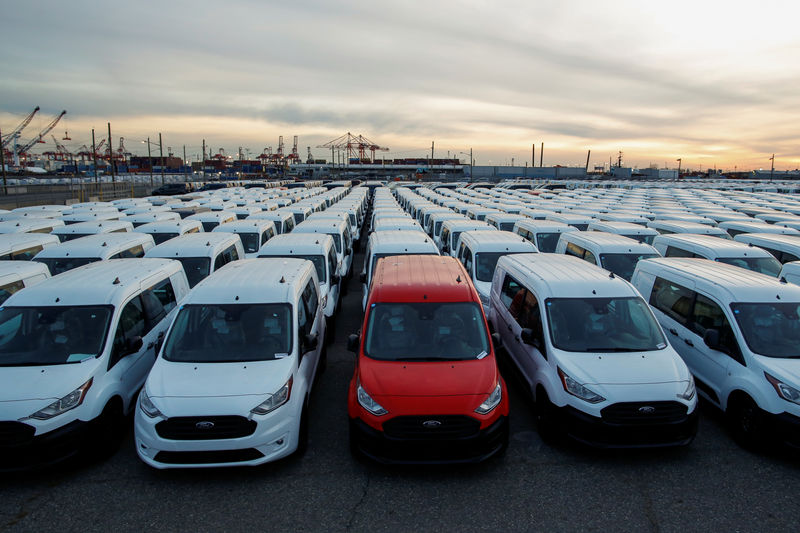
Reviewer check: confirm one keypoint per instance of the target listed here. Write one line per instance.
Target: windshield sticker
(281, 355)
(79, 357)
(482, 354)
(661, 346)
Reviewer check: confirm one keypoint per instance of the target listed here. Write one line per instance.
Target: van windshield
(250, 241)
(57, 265)
(33, 336)
(485, 263)
(765, 265)
(603, 325)
(230, 333)
(546, 242)
(623, 265)
(163, 237)
(426, 332)
(770, 329)
(646, 239)
(196, 268)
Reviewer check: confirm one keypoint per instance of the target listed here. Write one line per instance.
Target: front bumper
(785, 428)
(20, 449)
(600, 433)
(380, 447)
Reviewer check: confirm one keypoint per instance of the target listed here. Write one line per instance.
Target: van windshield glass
(230, 333)
(57, 265)
(33, 336)
(770, 329)
(318, 260)
(196, 268)
(486, 263)
(507, 226)
(426, 332)
(603, 325)
(765, 265)
(209, 226)
(546, 242)
(250, 241)
(623, 265)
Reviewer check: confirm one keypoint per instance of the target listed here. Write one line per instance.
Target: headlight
(275, 400)
(147, 406)
(578, 390)
(491, 402)
(787, 392)
(688, 394)
(70, 401)
(366, 401)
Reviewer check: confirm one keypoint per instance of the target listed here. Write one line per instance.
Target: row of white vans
(75, 349)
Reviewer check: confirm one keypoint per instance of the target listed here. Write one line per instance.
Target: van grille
(211, 457)
(205, 427)
(643, 413)
(15, 433)
(431, 427)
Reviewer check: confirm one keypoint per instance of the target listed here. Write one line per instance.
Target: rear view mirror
(352, 343)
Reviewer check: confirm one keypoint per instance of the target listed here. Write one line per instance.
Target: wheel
(106, 432)
(545, 416)
(302, 433)
(330, 330)
(355, 450)
(323, 360)
(746, 421)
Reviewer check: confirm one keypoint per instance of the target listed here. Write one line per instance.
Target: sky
(714, 83)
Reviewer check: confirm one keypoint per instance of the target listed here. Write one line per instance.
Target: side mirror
(527, 337)
(348, 251)
(352, 343)
(496, 342)
(362, 277)
(309, 342)
(711, 338)
(335, 278)
(133, 345)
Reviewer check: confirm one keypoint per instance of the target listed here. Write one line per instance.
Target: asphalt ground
(713, 484)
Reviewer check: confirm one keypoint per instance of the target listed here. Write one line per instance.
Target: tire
(107, 431)
(746, 422)
(545, 416)
(330, 330)
(302, 433)
(355, 451)
(323, 360)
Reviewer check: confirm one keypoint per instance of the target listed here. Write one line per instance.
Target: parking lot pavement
(711, 485)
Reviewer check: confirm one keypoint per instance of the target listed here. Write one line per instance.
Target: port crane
(294, 157)
(355, 147)
(38, 139)
(16, 131)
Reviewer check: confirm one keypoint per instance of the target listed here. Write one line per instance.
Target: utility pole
(431, 149)
(94, 160)
(680, 160)
(3, 164)
(161, 151)
(541, 155)
(150, 162)
(586, 170)
(533, 155)
(619, 159)
(184, 161)
(772, 170)
(111, 155)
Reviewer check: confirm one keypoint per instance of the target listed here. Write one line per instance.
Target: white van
(737, 227)
(283, 220)
(232, 383)
(389, 243)
(77, 216)
(479, 251)
(336, 228)
(24, 246)
(715, 249)
(84, 229)
(139, 219)
(320, 250)
(665, 227)
(791, 272)
(452, 229)
(164, 231)
(637, 232)
(503, 221)
(91, 248)
(76, 349)
(739, 333)
(254, 233)
(785, 248)
(544, 234)
(212, 219)
(200, 253)
(591, 354)
(16, 275)
(613, 252)
(30, 225)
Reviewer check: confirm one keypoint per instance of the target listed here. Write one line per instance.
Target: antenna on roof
(282, 280)
(783, 280)
(116, 281)
(611, 275)
(458, 279)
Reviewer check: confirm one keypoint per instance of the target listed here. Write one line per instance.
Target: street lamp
(471, 162)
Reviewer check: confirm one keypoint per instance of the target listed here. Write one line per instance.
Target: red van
(426, 387)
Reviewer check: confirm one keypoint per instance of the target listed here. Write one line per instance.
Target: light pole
(772, 170)
(161, 151)
(471, 162)
(149, 161)
(679, 160)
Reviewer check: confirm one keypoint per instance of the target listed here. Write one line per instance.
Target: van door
(130, 363)
(309, 324)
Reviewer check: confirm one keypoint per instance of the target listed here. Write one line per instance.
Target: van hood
(203, 380)
(50, 382)
(429, 379)
(626, 368)
(782, 368)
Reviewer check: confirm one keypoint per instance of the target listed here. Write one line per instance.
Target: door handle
(673, 331)
(687, 341)
(516, 338)
(509, 327)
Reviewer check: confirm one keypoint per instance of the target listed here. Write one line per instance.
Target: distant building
(657, 173)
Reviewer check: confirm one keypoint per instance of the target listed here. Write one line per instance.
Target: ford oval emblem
(204, 425)
(431, 424)
(647, 410)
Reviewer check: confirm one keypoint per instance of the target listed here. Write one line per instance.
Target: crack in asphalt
(359, 503)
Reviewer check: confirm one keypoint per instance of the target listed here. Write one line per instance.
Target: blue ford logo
(430, 424)
(204, 425)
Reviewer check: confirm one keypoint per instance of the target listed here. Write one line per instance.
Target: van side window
(225, 257)
(131, 253)
(706, 314)
(131, 324)
(303, 327)
(512, 295)
(10, 288)
(672, 299)
(529, 316)
(311, 299)
(574, 249)
(158, 300)
(24, 255)
(332, 262)
(589, 256)
(673, 251)
(288, 225)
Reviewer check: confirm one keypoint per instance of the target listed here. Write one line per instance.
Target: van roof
(253, 281)
(100, 283)
(244, 226)
(713, 246)
(565, 276)
(95, 226)
(212, 216)
(28, 224)
(297, 243)
(11, 242)
(193, 245)
(496, 241)
(541, 226)
(321, 225)
(732, 284)
(680, 226)
(627, 228)
(16, 270)
(417, 240)
(610, 242)
(768, 239)
(170, 226)
(102, 245)
(421, 278)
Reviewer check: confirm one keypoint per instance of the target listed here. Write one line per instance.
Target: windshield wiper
(616, 350)
(426, 359)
